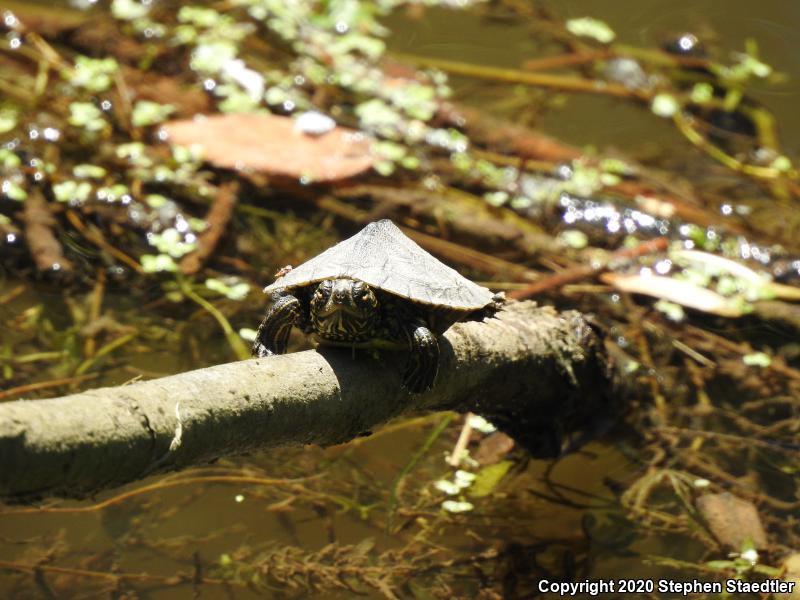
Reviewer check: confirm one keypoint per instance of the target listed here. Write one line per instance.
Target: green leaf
(454, 506)
(170, 242)
(591, 28)
(8, 120)
(87, 171)
(702, 92)
(146, 113)
(757, 359)
(128, 10)
(574, 238)
(72, 191)
(156, 263)
(664, 105)
(233, 290)
(8, 158)
(13, 191)
(488, 478)
(93, 74)
(86, 115)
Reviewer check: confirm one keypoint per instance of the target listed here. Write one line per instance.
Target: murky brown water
(159, 532)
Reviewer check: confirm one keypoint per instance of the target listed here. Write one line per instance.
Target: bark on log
(535, 373)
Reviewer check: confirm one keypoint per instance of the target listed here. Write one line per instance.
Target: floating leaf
(448, 487)
(757, 359)
(664, 105)
(493, 448)
(574, 238)
(146, 112)
(454, 506)
(677, 291)
(464, 478)
(231, 289)
(271, 144)
(13, 190)
(94, 74)
(732, 520)
(481, 424)
(72, 191)
(170, 242)
(488, 478)
(8, 158)
(87, 171)
(86, 115)
(152, 263)
(129, 10)
(592, 28)
(702, 93)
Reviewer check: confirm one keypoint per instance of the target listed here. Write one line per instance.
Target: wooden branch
(217, 222)
(532, 371)
(42, 242)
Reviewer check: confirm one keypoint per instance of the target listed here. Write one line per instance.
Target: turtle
(376, 289)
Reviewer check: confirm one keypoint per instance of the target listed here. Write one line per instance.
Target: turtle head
(345, 310)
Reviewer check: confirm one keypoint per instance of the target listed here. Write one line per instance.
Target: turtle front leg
(423, 361)
(273, 334)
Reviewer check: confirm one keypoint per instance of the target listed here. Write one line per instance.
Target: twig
(558, 82)
(233, 339)
(13, 293)
(44, 385)
(95, 304)
(571, 59)
(39, 224)
(107, 349)
(217, 221)
(685, 126)
(457, 455)
(172, 580)
(159, 485)
(97, 239)
(583, 272)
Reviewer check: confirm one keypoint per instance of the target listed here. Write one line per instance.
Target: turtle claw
(423, 362)
(273, 333)
(259, 350)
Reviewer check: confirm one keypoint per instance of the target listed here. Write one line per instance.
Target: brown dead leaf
(493, 448)
(272, 145)
(732, 520)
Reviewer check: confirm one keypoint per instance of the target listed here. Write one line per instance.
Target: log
(536, 373)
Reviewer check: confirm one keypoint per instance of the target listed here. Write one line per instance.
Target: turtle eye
(323, 291)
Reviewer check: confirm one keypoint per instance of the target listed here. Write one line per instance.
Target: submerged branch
(567, 83)
(217, 219)
(537, 374)
(39, 233)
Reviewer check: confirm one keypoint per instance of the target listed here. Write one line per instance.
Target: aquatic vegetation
(591, 28)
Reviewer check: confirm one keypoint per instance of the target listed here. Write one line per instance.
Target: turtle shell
(384, 257)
